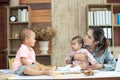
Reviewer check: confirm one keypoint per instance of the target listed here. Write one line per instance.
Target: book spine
(109, 17)
(118, 18)
(105, 32)
(19, 15)
(95, 18)
(89, 17)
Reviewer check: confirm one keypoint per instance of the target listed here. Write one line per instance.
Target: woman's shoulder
(108, 49)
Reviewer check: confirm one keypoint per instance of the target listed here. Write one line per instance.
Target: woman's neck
(91, 49)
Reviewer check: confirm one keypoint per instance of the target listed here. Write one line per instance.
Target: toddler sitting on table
(76, 63)
(25, 62)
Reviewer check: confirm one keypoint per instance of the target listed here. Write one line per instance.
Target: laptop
(117, 68)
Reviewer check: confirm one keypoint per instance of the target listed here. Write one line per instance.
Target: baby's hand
(67, 61)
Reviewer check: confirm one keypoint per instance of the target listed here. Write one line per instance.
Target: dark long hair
(98, 35)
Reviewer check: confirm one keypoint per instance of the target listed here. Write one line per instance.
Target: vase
(44, 46)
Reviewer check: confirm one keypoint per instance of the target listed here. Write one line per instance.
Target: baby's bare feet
(49, 72)
(54, 68)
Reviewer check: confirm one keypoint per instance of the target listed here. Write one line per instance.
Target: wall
(69, 17)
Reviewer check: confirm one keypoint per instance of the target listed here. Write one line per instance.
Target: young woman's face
(75, 45)
(89, 39)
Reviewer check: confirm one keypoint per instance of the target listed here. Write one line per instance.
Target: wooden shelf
(13, 38)
(18, 22)
(100, 25)
(43, 59)
(99, 5)
(42, 55)
(116, 26)
(17, 7)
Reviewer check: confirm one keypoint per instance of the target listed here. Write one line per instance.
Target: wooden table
(99, 75)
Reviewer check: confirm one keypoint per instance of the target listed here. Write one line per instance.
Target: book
(19, 15)
(95, 18)
(90, 17)
(11, 60)
(109, 33)
(118, 18)
(105, 32)
(98, 17)
(115, 18)
(103, 18)
(109, 17)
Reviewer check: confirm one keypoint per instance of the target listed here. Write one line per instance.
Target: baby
(80, 62)
(25, 62)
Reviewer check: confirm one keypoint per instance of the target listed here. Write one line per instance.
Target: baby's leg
(43, 67)
(49, 68)
(33, 72)
(29, 70)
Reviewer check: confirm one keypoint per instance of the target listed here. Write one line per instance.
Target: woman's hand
(80, 57)
(97, 66)
(84, 65)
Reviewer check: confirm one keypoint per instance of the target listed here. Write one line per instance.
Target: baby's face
(32, 39)
(75, 45)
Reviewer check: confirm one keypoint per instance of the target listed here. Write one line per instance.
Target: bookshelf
(18, 17)
(106, 16)
(116, 23)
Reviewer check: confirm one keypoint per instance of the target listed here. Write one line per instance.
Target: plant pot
(44, 46)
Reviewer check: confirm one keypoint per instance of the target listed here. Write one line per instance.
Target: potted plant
(44, 34)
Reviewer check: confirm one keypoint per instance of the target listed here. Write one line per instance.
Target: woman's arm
(80, 57)
(106, 60)
(110, 61)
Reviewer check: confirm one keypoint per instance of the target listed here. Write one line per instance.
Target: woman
(97, 45)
